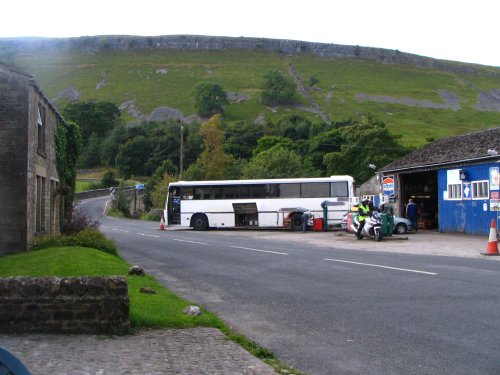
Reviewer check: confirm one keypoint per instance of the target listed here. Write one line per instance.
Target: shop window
(480, 190)
(455, 191)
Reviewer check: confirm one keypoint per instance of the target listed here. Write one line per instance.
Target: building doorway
(422, 187)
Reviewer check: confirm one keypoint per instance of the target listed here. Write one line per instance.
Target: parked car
(401, 224)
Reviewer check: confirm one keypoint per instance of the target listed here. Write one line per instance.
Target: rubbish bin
(387, 224)
(318, 224)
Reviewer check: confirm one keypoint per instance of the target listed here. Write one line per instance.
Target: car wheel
(400, 228)
(200, 222)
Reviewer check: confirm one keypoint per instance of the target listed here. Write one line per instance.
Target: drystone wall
(64, 305)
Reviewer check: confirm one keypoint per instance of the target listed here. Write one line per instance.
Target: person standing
(305, 218)
(412, 213)
(363, 212)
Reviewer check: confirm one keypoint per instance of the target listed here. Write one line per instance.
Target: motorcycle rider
(363, 212)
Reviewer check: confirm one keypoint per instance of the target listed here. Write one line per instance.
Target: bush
(79, 221)
(86, 238)
(108, 180)
(94, 239)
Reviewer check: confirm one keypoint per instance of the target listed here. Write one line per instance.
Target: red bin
(318, 224)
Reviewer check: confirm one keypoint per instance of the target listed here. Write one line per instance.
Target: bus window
(339, 189)
(231, 192)
(201, 192)
(289, 190)
(315, 189)
(187, 193)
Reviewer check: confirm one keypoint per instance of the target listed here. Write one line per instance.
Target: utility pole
(181, 159)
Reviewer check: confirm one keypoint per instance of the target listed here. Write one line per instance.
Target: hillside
(154, 77)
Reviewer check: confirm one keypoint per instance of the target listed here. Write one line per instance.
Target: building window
(455, 191)
(40, 221)
(41, 129)
(480, 190)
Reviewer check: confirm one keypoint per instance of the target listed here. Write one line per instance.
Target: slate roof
(462, 149)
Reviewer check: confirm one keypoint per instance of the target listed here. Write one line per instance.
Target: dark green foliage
(277, 89)
(154, 180)
(91, 152)
(89, 237)
(268, 141)
(123, 203)
(313, 80)
(108, 180)
(276, 162)
(68, 138)
(111, 145)
(132, 157)
(241, 139)
(363, 143)
(210, 99)
(93, 117)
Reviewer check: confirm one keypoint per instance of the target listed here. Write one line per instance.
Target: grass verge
(147, 311)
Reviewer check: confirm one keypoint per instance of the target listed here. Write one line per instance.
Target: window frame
(474, 185)
(454, 197)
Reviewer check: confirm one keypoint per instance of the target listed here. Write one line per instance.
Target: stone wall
(64, 305)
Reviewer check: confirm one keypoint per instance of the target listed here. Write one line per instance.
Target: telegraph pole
(181, 159)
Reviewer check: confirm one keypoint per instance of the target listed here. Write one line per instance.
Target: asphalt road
(327, 310)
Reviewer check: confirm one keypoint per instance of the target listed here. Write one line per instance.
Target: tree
(210, 99)
(213, 163)
(93, 117)
(241, 139)
(132, 156)
(268, 141)
(276, 162)
(277, 88)
(365, 143)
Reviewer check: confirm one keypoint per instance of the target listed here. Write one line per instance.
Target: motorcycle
(372, 228)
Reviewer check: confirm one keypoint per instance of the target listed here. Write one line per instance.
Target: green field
(155, 78)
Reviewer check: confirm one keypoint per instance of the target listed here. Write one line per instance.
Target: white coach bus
(263, 203)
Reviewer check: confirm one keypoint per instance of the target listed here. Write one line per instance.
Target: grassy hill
(416, 102)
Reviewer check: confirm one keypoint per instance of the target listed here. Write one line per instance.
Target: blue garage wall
(466, 215)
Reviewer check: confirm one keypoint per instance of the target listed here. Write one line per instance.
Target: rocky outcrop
(97, 44)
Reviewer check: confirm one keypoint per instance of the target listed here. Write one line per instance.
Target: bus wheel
(200, 222)
(296, 222)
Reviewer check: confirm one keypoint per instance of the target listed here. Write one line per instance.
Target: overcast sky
(467, 31)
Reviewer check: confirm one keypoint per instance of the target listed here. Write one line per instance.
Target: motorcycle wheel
(378, 235)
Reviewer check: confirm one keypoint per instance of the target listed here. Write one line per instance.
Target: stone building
(28, 177)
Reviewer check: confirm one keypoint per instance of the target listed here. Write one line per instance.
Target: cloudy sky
(466, 31)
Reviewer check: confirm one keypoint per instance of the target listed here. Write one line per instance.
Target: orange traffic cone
(492, 248)
(162, 224)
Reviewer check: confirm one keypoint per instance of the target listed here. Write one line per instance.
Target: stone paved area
(171, 351)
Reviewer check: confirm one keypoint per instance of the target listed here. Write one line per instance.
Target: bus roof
(263, 181)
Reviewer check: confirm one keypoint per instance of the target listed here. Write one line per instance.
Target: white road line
(147, 235)
(199, 243)
(379, 266)
(261, 251)
(120, 230)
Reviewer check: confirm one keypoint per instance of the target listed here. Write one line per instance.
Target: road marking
(379, 266)
(147, 235)
(120, 230)
(199, 243)
(261, 251)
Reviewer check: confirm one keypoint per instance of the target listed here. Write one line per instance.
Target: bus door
(245, 215)
(174, 206)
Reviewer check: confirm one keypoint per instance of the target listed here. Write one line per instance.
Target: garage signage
(388, 186)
